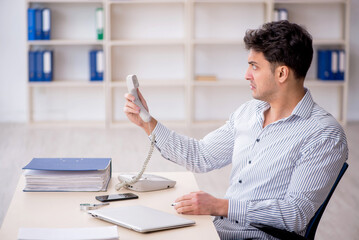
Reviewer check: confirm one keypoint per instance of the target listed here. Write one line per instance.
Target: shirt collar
(303, 108)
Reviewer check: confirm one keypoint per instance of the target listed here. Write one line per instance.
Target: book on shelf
(41, 66)
(39, 23)
(99, 23)
(46, 23)
(96, 65)
(331, 64)
(31, 24)
(280, 14)
(67, 174)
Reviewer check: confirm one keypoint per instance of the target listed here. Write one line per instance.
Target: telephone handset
(132, 85)
(136, 182)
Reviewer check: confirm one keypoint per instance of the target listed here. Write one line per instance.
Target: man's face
(262, 80)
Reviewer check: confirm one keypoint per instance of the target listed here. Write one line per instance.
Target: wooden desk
(62, 210)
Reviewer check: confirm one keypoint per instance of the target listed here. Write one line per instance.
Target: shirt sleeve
(313, 177)
(212, 152)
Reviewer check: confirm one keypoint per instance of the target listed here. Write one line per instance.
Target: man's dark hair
(282, 42)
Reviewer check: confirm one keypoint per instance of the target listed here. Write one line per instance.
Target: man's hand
(201, 203)
(132, 112)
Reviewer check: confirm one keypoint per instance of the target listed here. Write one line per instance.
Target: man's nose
(248, 75)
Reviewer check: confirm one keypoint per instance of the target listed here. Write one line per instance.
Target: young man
(285, 150)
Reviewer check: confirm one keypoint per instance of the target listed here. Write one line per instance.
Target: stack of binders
(67, 174)
(331, 64)
(96, 65)
(39, 23)
(40, 66)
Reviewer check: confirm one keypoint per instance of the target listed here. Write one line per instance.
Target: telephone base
(147, 182)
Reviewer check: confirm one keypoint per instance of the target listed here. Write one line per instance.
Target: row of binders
(67, 174)
(39, 23)
(331, 64)
(40, 66)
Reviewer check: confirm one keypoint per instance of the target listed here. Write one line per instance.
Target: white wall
(353, 108)
(13, 94)
(13, 77)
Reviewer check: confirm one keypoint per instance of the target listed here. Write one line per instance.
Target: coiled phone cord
(124, 183)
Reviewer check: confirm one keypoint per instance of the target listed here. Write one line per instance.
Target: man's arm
(311, 181)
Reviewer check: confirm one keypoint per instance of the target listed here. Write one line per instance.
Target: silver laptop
(141, 219)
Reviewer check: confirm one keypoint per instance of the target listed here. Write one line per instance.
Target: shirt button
(240, 181)
(221, 217)
(236, 221)
(257, 139)
(250, 162)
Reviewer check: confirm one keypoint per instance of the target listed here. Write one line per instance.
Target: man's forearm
(222, 208)
(148, 127)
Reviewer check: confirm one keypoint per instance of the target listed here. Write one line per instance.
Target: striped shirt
(280, 174)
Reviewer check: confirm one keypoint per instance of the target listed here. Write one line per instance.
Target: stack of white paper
(97, 233)
(67, 174)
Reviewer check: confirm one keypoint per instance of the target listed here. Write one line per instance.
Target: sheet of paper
(94, 233)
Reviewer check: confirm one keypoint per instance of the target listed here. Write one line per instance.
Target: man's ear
(282, 73)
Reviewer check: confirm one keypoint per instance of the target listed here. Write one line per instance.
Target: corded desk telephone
(140, 182)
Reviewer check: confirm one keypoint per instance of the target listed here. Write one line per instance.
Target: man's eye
(254, 67)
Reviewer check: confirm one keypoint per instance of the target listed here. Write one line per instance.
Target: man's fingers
(184, 197)
(130, 107)
(129, 97)
(186, 210)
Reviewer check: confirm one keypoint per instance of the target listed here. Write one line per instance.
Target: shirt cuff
(161, 135)
(237, 211)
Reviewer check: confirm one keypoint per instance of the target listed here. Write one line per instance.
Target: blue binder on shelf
(31, 24)
(39, 70)
(32, 66)
(96, 65)
(47, 59)
(38, 24)
(46, 23)
(67, 174)
(331, 64)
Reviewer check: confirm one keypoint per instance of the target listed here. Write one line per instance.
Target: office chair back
(314, 222)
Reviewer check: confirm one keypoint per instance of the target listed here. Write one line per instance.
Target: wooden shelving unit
(168, 44)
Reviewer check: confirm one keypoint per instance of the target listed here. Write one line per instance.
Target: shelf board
(218, 42)
(151, 83)
(329, 42)
(67, 123)
(309, 1)
(231, 1)
(64, 42)
(127, 124)
(323, 83)
(244, 83)
(65, 1)
(147, 42)
(222, 83)
(145, 2)
(58, 83)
